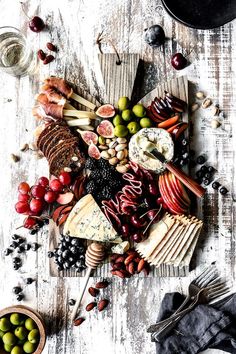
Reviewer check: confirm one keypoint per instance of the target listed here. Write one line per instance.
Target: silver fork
(207, 295)
(209, 276)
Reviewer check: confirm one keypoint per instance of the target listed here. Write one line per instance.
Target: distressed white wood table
(73, 26)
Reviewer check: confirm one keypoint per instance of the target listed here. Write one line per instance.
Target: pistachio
(113, 161)
(108, 141)
(103, 147)
(67, 169)
(113, 144)
(206, 103)
(215, 123)
(24, 147)
(120, 155)
(33, 147)
(101, 140)
(15, 158)
(38, 155)
(121, 140)
(121, 168)
(105, 155)
(126, 152)
(112, 152)
(123, 162)
(74, 158)
(194, 107)
(120, 147)
(200, 95)
(215, 110)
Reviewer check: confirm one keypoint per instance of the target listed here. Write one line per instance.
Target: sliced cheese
(189, 252)
(121, 248)
(87, 221)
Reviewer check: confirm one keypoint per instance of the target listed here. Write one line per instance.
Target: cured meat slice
(53, 110)
(60, 85)
(52, 95)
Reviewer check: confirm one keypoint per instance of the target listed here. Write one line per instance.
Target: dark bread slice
(50, 130)
(57, 137)
(63, 158)
(61, 144)
(62, 131)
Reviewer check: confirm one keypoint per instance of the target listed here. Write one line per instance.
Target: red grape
(23, 197)
(65, 178)
(178, 61)
(22, 207)
(50, 197)
(38, 191)
(137, 221)
(29, 222)
(137, 237)
(152, 189)
(125, 230)
(23, 188)
(43, 181)
(36, 205)
(36, 24)
(56, 185)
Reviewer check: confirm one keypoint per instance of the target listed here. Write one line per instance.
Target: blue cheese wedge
(87, 221)
(121, 248)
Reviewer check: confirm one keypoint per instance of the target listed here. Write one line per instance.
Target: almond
(118, 273)
(129, 259)
(41, 54)
(118, 266)
(129, 252)
(102, 304)
(48, 59)
(120, 259)
(78, 321)
(102, 284)
(93, 292)
(141, 265)
(131, 268)
(114, 256)
(51, 47)
(90, 306)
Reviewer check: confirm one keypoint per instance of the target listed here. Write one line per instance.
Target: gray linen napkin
(204, 327)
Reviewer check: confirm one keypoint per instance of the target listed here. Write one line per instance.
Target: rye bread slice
(50, 130)
(48, 138)
(62, 144)
(63, 158)
(60, 135)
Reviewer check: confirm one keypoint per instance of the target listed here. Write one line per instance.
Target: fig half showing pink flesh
(88, 136)
(106, 111)
(106, 129)
(94, 152)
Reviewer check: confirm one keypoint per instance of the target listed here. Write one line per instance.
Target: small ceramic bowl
(27, 311)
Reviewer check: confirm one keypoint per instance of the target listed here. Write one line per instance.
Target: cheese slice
(186, 258)
(121, 248)
(87, 221)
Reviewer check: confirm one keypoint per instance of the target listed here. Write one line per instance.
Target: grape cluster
(33, 201)
(103, 181)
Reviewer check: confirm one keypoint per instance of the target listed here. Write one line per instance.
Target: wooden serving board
(122, 85)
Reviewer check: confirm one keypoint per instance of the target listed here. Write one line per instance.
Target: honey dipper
(94, 255)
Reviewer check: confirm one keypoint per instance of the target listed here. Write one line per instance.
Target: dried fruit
(91, 306)
(93, 292)
(49, 58)
(102, 304)
(78, 321)
(120, 259)
(106, 111)
(131, 268)
(51, 47)
(106, 129)
(102, 284)
(41, 54)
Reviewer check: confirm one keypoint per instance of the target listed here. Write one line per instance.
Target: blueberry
(215, 185)
(71, 302)
(206, 181)
(65, 254)
(16, 290)
(210, 169)
(223, 190)
(29, 281)
(59, 252)
(75, 242)
(16, 266)
(66, 265)
(7, 251)
(46, 221)
(182, 162)
(185, 155)
(14, 245)
(60, 260)
(40, 223)
(16, 260)
(21, 249)
(59, 268)
(73, 250)
(71, 259)
(62, 237)
(32, 232)
(20, 297)
(67, 239)
(82, 256)
(184, 142)
(154, 36)
(15, 237)
(78, 264)
(199, 174)
(204, 169)
(201, 160)
(208, 175)
(34, 246)
(20, 240)
(27, 247)
(50, 254)
(81, 249)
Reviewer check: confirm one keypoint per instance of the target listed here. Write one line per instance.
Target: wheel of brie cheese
(146, 140)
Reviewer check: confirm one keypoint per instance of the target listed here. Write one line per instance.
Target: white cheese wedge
(121, 248)
(87, 221)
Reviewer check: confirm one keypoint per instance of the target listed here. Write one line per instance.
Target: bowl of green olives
(22, 330)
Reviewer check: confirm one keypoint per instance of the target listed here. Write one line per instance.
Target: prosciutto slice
(60, 85)
(52, 95)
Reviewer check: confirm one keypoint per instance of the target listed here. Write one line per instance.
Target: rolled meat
(60, 85)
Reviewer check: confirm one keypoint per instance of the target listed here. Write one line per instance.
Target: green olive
(33, 336)
(127, 115)
(29, 347)
(8, 348)
(30, 324)
(139, 110)
(20, 341)
(17, 350)
(15, 319)
(21, 332)
(5, 324)
(123, 103)
(117, 120)
(101, 140)
(9, 338)
(1, 334)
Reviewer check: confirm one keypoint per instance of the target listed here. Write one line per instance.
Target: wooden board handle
(198, 190)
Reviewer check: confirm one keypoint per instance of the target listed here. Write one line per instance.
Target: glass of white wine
(16, 56)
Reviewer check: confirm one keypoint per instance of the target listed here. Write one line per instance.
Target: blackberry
(107, 192)
(90, 163)
(95, 174)
(103, 164)
(90, 187)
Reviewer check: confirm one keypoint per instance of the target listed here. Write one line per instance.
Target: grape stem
(152, 220)
(99, 41)
(23, 9)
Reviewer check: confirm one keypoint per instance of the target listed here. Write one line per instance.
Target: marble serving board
(119, 81)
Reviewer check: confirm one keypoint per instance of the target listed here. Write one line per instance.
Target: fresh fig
(89, 137)
(106, 129)
(106, 111)
(94, 152)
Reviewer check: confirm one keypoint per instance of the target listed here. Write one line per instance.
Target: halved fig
(94, 152)
(57, 212)
(65, 198)
(106, 129)
(106, 111)
(88, 137)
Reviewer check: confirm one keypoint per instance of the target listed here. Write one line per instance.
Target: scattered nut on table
(194, 107)
(24, 147)
(215, 123)
(215, 110)
(200, 95)
(206, 103)
(15, 158)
